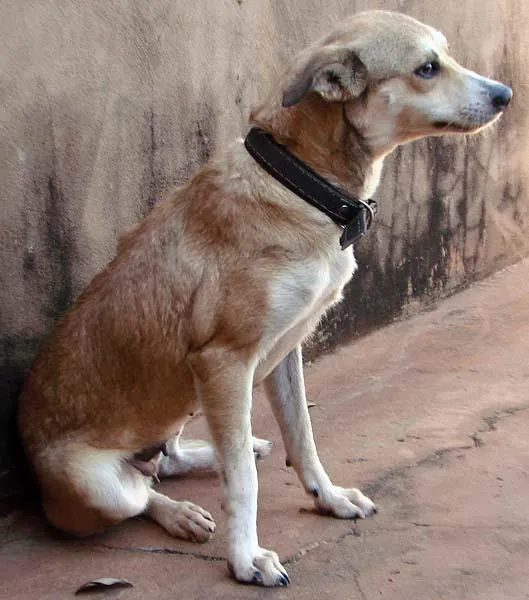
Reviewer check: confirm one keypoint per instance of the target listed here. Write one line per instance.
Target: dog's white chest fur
(299, 296)
(304, 288)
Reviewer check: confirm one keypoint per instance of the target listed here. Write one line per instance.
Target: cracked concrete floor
(430, 416)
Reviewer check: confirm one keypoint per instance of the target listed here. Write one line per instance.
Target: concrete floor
(429, 416)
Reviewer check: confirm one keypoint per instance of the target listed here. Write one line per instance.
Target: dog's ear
(337, 75)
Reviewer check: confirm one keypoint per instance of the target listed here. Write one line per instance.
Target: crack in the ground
(294, 558)
(491, 424)
(359, 587)
(477, 440)
(159, 550)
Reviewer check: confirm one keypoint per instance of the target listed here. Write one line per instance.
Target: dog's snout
(501, 96)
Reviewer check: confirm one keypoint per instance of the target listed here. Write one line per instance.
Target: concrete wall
(107, 105)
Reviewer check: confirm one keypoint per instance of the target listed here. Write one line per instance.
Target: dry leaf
(105, 583)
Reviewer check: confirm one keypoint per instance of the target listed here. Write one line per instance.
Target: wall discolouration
(107, 107)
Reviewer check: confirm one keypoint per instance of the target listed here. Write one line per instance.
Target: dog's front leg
(224, 385)
(286, 391)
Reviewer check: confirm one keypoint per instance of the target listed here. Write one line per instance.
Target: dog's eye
(428, 70)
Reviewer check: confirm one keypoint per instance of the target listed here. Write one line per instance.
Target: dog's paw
(261, 448)
(345, 503)
(263, 569)
(190, 522)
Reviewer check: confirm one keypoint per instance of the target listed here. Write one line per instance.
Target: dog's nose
(501, 96)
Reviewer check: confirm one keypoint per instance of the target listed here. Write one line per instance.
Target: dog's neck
(319, 134)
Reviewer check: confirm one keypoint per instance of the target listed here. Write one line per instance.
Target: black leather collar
(353, 214)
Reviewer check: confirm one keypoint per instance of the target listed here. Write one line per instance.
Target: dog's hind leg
(186, 456)
(92, 489)
(85, 489)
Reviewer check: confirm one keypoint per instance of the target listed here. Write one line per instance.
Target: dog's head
(390, 78)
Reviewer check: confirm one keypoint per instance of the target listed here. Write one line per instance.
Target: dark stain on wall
(203, 139)
(60, 248)
(48, 258)
(150, 187)
(16, 355)
(202, 132)
(155, 184)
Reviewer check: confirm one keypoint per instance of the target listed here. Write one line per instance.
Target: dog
(216, 289)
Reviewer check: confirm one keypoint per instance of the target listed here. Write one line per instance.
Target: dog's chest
(304, 290)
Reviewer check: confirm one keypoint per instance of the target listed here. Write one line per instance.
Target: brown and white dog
(216, 289)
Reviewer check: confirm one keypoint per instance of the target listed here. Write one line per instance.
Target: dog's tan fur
(216, 289)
